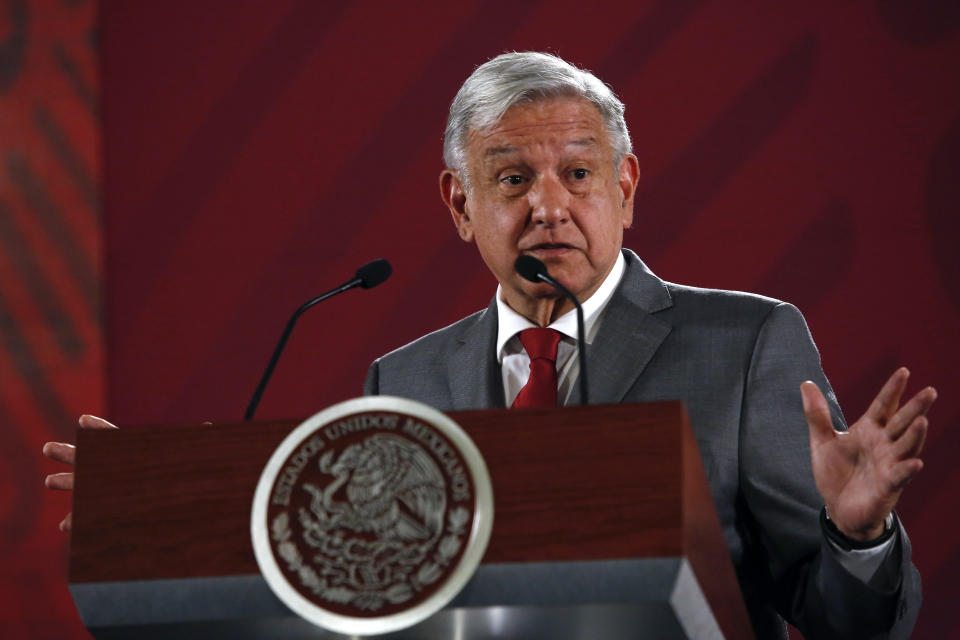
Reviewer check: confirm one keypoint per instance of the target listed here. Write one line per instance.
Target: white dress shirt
(513, 359)
(515, 369)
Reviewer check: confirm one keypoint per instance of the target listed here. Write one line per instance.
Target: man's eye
(579, 174)
(513, 180)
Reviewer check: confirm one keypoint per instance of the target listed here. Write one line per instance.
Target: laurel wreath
(447, 549)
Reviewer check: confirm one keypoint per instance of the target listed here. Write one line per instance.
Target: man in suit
(538, 163)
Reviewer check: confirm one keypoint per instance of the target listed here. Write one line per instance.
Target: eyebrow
(500, 151)
(583, 142)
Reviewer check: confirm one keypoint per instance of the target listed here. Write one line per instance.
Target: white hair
(523, 77)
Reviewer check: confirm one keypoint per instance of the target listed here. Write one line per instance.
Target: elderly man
(538, 163)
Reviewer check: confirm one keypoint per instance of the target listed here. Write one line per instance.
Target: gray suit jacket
(737, 361)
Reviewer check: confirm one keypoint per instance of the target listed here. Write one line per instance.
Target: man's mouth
(548, 247)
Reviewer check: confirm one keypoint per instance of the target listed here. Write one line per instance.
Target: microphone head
(530, 268)
(373, 273)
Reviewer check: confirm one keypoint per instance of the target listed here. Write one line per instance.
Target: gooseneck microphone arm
(367, 277)
(535, 271)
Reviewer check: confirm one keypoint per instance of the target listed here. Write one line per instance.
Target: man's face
(543, 184)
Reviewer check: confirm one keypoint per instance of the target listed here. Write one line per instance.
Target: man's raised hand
(67, 453)
(861, 473)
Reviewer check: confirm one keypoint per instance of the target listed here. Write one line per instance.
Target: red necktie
(541, 388)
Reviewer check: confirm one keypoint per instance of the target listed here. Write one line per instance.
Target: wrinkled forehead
(556, 122)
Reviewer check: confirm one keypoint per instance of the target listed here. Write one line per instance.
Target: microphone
(367, 277)
(535, 271)
(371, 274)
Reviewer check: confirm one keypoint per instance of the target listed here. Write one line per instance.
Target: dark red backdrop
(255, 153)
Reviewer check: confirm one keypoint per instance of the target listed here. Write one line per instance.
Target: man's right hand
(67, 453)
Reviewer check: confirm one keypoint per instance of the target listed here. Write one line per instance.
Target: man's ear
(455, 197)
(628, 175)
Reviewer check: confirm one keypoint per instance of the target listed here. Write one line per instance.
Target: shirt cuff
(860, 560)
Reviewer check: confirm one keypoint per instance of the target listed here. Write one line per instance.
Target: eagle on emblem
(381, 514)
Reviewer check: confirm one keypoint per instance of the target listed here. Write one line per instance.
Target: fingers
(887, 401)
(67, 453)
(93, 422)
(917, 406)
(61, 452)
(59, 481)
(903, 472)
(911, 443)
(817, 412)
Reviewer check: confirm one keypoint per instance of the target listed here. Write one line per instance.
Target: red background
(255, 153)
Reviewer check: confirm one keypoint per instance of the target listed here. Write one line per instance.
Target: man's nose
(549, 200)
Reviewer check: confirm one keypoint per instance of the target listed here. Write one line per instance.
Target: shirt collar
(510, 323)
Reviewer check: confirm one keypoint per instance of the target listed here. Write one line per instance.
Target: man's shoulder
(735, 317)
(687, 296)
(421, 369)
(434, 344)
(691, 301)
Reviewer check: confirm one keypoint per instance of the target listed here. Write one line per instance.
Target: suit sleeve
(787, 552)
(371, 385)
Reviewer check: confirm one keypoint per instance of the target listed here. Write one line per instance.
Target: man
(538, 163)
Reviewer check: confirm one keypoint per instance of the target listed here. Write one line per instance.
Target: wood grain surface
(578, 483)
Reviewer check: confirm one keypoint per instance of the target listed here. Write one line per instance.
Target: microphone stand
(367, 277)
(534, 270)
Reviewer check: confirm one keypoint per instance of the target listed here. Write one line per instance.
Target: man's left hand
(860, 473)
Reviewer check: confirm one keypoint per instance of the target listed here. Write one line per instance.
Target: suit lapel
(628, 337)
(629, 334)
(474, 375)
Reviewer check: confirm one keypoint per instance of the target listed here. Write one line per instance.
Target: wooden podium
(603, 528)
